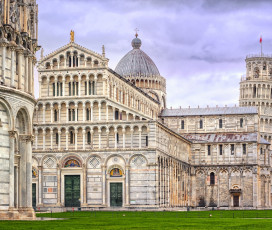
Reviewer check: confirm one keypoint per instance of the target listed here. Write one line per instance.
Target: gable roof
(208, 111)
(72, 45)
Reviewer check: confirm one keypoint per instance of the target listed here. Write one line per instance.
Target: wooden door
(72, 191)
(116, 194)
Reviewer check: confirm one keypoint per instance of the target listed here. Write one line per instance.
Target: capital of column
(59, 132)
(84, 131)
(26, 138)
(12, 133)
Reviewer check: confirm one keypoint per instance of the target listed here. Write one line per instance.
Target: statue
(72, 36)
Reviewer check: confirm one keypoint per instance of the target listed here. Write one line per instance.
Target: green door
(116, 194)
(34, 195)
(72, 191)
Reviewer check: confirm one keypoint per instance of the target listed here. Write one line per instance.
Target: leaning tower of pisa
(256, 90)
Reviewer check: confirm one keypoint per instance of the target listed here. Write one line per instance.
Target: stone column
(29, 172)
(59, 134)
(108, 137)
(4, 48)
(56, 88)
(51, 113)
(95, 86)
(84, 137)
(76, 132)
(26, 73)
(107, 112)
(13, 65)
(59, 112)
(44, 139)
(99, 111)
(30, 75)
(67, 114)
(104, 168)
(36, 139)
(79, 86)
(140, 138)
(127, 186)
(92, 132)
(11, 168)
(99, 139)
(84, 203)
(43, 107)
(115, 138)
(124, 138)
(51, 139)
(59, 185)
(76, 113)
(40, 200)
(84, 112)
(66, 139)
(91, 112)
(63, 87)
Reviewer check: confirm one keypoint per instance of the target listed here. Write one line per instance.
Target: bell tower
(256, 90)
(18, 46)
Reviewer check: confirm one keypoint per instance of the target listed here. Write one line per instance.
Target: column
(84, 203)
(30, 75)
(51, 139)
(79, 86)
(92, 138)
(36, 139)
(63, 86)
(140, 138)
(43, 107)
(95, 86)
(59, 134)
(131, 138)
(52, 115)
(99, 139)
(28, 172)
(99, 111)
(59, 110)
(40, 186)
(124, 138)
(4, 48)
(76, 132)
(59, 185)
(127, 185)
(84, 137)
(66, 133)
(26, 72)
(87, 83)
(11, 167)
(76, 112)
(13, 65)
(113, 113)
(108, 137)
(67, 114)
(104, 184)
(56, 88)
(115, 138)
(91, 111)
(107, 112)
(44, 139)
(72, 61)
(84, 112)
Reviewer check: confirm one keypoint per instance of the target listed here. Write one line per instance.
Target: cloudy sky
(198, 46)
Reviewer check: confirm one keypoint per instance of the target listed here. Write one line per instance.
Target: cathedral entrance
(116, 194)
(34, 195)
(236, 201)
(72, 190)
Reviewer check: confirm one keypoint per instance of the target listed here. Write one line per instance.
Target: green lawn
(149, 220)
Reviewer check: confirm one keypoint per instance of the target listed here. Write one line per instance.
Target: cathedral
(103, 139)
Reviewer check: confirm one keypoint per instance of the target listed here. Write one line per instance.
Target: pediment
(72, 48)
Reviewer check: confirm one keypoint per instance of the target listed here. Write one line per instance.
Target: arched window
(182, 124)
(54, 89)
(117, 137)
(71, 137)
(89, 137)
(254, 91)
(87, 114)
(241, 122)
(56, 115)
(220, 123)
(57, 138)
(116, 115)
(201, 124)
(256, 72)
(212, 178)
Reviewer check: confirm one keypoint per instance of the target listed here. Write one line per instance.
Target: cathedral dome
(136, 62)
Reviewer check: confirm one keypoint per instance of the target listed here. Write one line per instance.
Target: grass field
(149, 220)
